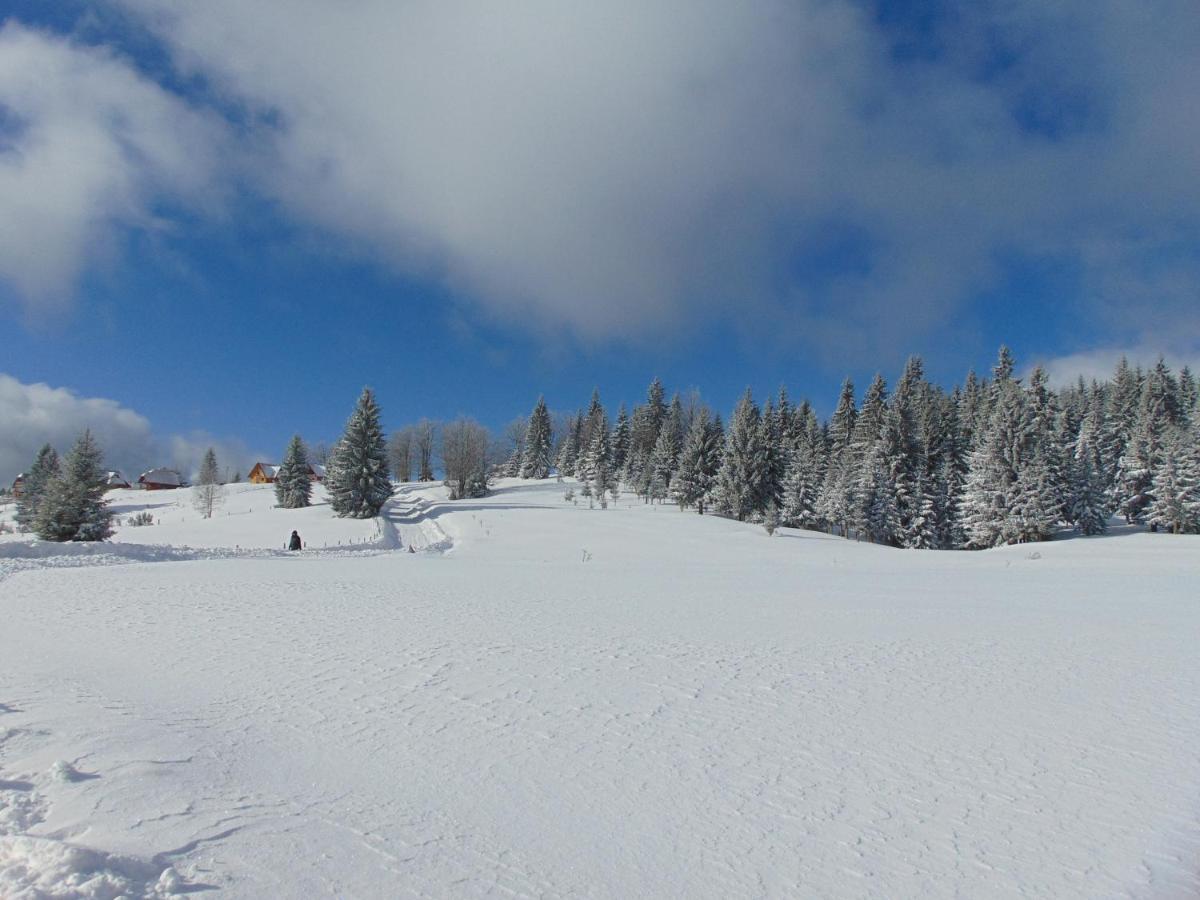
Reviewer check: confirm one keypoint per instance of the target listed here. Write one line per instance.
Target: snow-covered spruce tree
(603, 478)
(801, 486)
(867, 431)
(740, 490)
(1034, 503)
(885, 486)
(699, 462)
(597, 417)
(838, 489)
(621, 439)
(664, 459)
(1089, 501)
(45, 466)
(568, 451)
(1189, 396)
(1158, 411)
(357, 476)
(293, 484)
(1175, 506)
(208, 493)
(538, 443)
(73, 507)
(995, 466)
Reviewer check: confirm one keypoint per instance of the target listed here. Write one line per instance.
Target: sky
(220, 220)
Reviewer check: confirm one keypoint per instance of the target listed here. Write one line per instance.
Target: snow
(550, 700)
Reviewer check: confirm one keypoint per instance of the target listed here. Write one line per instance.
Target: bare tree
(424, 433)
(465, 459)
(400, 448)
(208, 492)
(319, 453)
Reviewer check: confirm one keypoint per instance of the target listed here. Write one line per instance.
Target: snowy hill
(550, 700)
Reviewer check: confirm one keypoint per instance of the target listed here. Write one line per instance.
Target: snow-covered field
(551, 700)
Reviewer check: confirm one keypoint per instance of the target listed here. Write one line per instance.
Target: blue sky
(228, 227)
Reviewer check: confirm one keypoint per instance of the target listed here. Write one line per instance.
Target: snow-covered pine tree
(595, 408)
(357, 477)
(776, 453)
(1034, 503)
(995, 465)
(568, 450)
(585, 464)
(538, 443)
(1189, 396)
(867, 428)
(837, 490)
(699, 462)
(45, 466)
(293, 484)
(740, 490)
(208, 493)
(603, 478)
(972, 410)
(621, 441)
(73, 506)
(664, 459)
(1158, 411)
(801, 487)
(1175, 487)
(1124, 397)
(1089, 499)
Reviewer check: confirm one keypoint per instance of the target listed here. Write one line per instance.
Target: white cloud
(623, 169)
(87, 147)
(37, 414)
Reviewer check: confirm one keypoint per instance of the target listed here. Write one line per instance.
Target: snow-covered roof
(161, 476)
(115, 478)
(317, 469)
(268, 469)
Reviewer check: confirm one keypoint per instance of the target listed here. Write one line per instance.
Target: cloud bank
(627, 169)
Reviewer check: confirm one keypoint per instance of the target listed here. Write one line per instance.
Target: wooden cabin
(266, 473)
(18, 487)
(263, 473)
(115, 480)
(160, 479)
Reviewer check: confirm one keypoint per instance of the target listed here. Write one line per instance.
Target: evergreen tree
(699, 462)
(538, 438)
(73, 507)
(597, 418)
(45, 467)
(1189, 396)
(621, 441)
(1175, 503)
(603, 478)
(989, 494)
(837, 492)
(664, 459)
(568, 451)
(1158, 410)
(741, 480)
(357, 475)
(293, 484)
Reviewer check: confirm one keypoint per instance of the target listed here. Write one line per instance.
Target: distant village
(167, 479)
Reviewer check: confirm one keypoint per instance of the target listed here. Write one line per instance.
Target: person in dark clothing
(294, 543)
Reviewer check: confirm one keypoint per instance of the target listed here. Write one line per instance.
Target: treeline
(991, 462)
